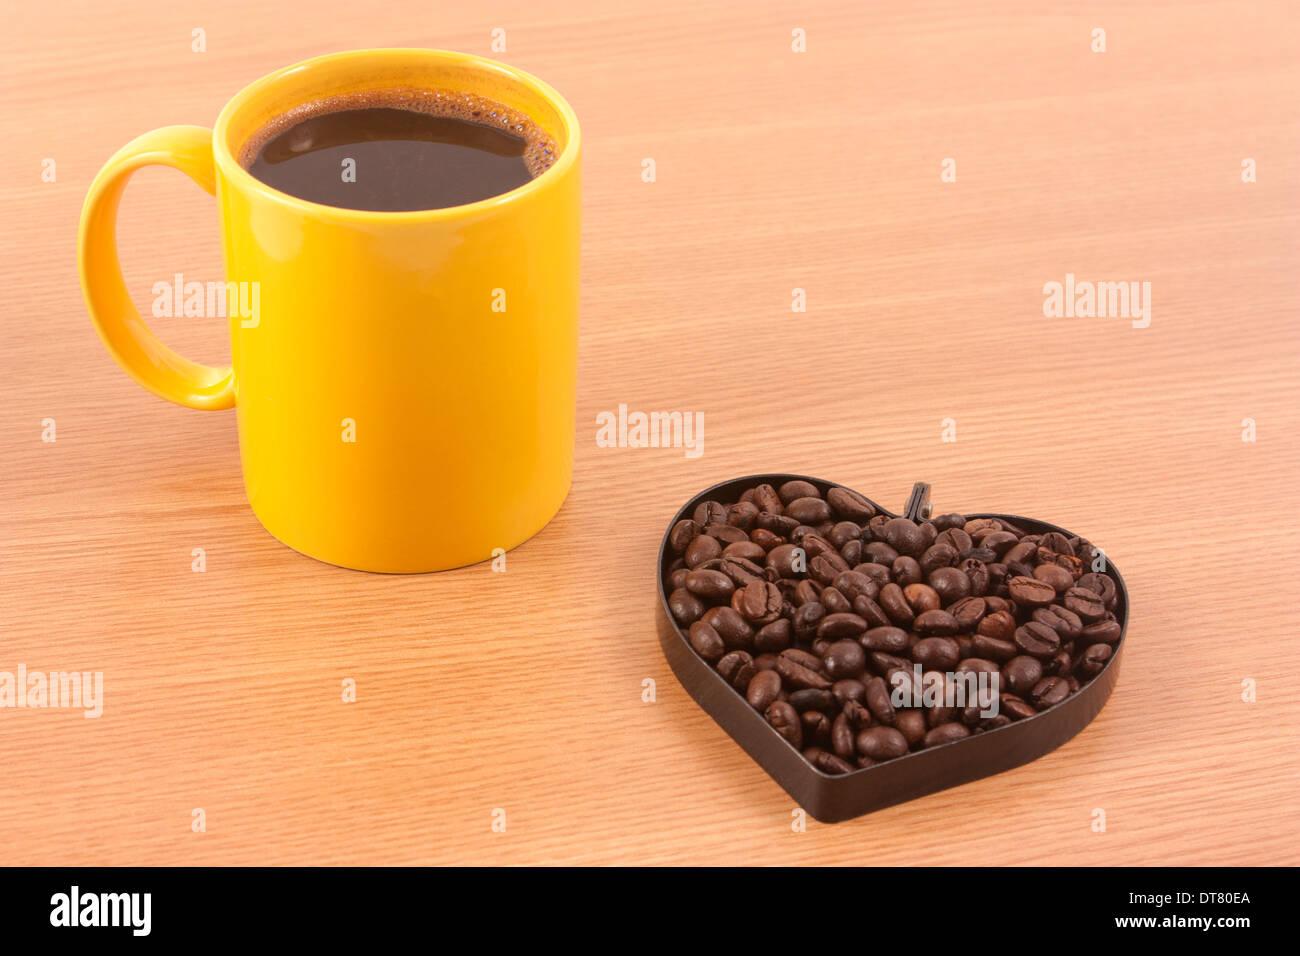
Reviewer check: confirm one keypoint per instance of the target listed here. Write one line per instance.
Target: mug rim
(234, 171)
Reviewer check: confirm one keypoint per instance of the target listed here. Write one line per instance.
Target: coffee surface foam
(539, 146)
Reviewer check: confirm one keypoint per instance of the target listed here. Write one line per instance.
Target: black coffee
(394, 151)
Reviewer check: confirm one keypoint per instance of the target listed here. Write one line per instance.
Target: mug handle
(124, 333)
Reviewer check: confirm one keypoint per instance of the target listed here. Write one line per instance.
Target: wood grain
(775, 170)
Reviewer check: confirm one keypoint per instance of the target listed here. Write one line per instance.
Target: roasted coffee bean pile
(813, 606)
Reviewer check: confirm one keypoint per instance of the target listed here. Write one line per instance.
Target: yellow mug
(405, 388)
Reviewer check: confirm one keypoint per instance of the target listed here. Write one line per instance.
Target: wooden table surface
(775, 170)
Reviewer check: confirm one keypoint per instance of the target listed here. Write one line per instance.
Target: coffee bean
(808, 510)
(845, 658)
(1093, 660)
(828, 762)
(955, 538)
(911, 724)
(903, 535)
(891, 640)
(881, 743)
(938, 555)
(741, 571)
(1101, 632)
(879, 574)
(785, 721)
(978, 574)
(725, 534)
(797, 488)
(1057, 542)
(778, 524)
(946, 733)
(895, 605)
(683, 533)
(737, 669)
(742, 514)
(783, 560)
(968, 611)
(803, 657)
(850, 689)
(799, 675)
(824, 568)
(811, 698)
(936, 624)
(733, 628)
(1020, 674)
(978, 665)
(1021, 555)
(816, 726)
(854, 584)
(745, 549)
(1089, 605)
(764, 688)
(842, 532)
(686, 608)
(883, 663)
(702, 548)
(1000, 625)
(1048, 692)
(768, 500)
(1060, 579)
(834, 601)
(1031, 592)
(906, 570)
(774, 637)
(836, 626)
(850, 505)
(706, 641)
(936, 653)
(995, 649)
(999, 542)
(843, 736)
(1102, 584)
(857, 713)
(710, 512)
(951, 583)
(1062, 620)
(807, 591)
(878, 552)
(1037, 640)
(807, 619)
(878, 702)
(760, 603)
(1014, 707)
(921, 598)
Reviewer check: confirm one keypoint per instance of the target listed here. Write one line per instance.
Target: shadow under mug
(405, 387)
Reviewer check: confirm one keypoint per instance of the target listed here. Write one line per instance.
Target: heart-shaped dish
(831, 797)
